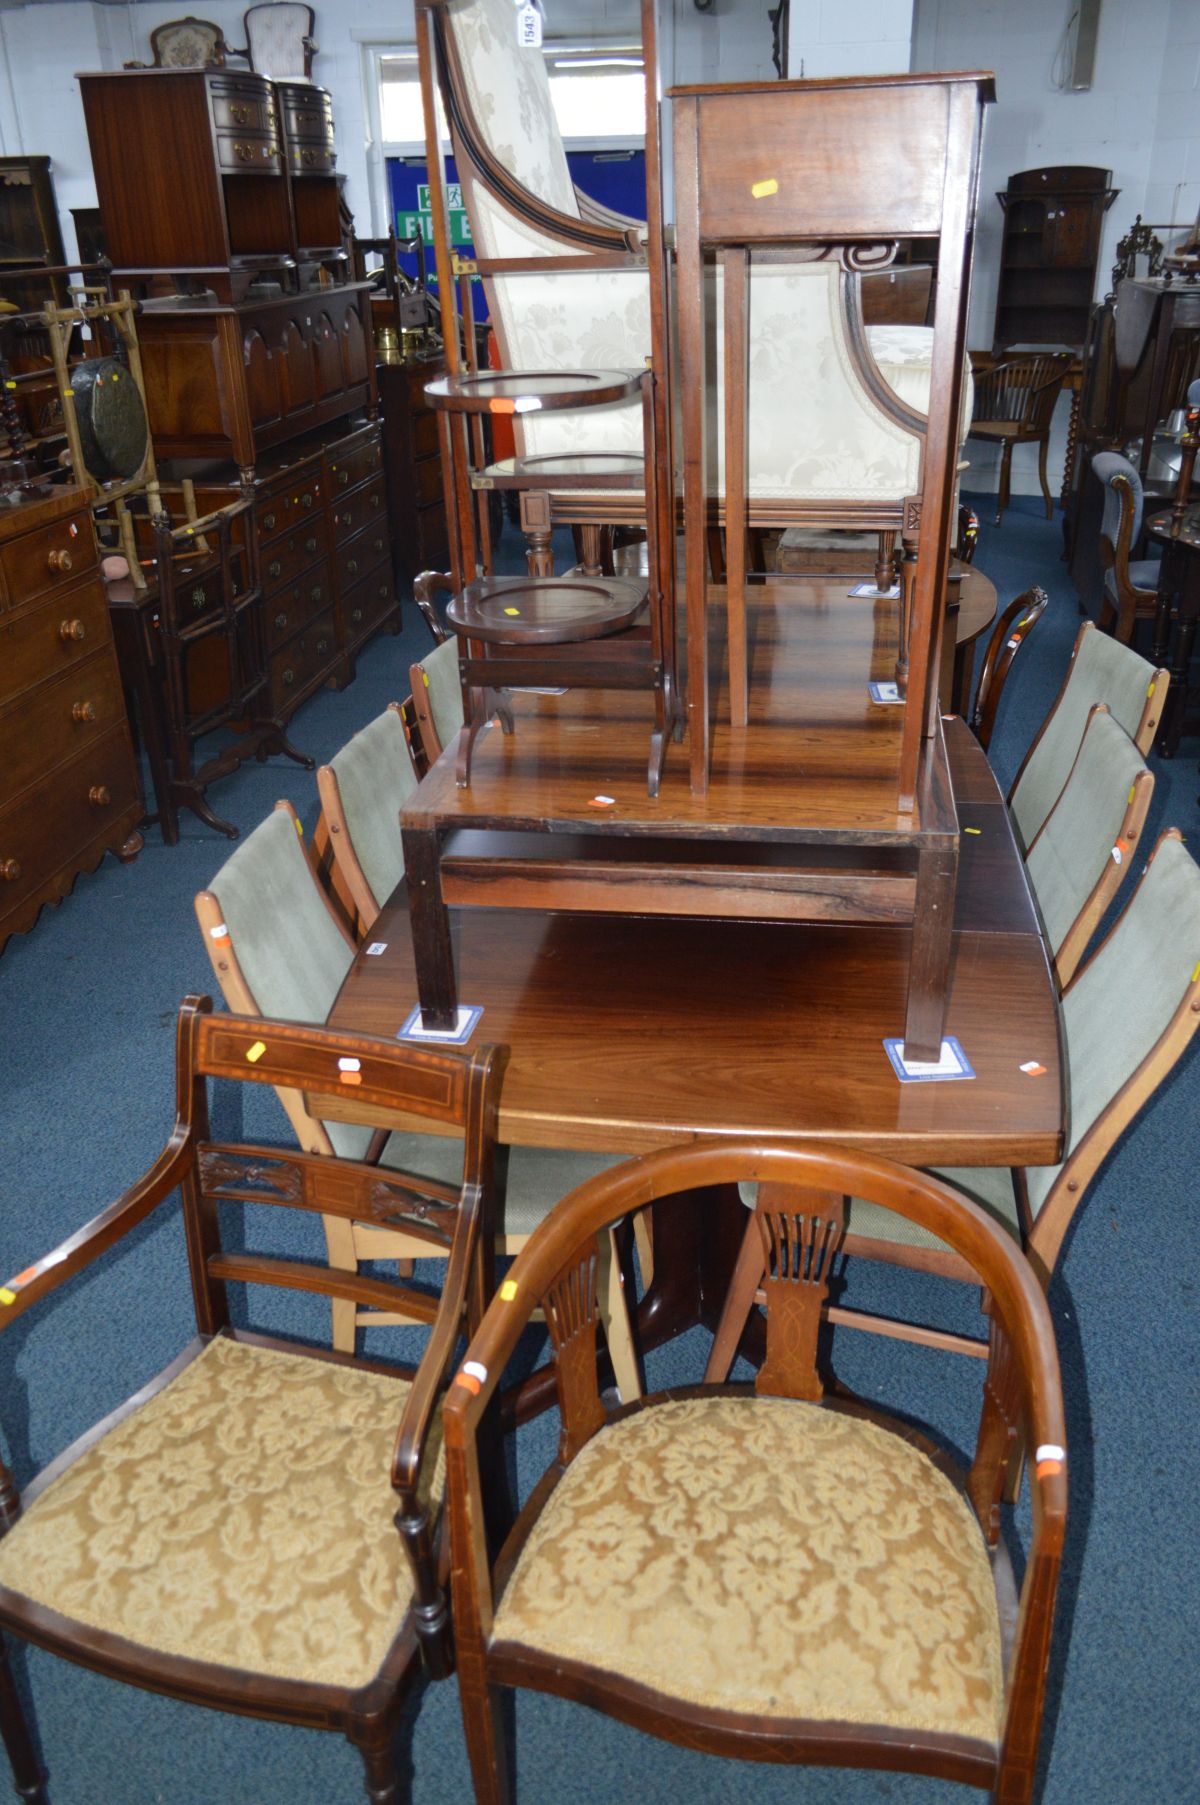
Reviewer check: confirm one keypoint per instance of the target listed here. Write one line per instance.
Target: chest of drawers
(68, 783)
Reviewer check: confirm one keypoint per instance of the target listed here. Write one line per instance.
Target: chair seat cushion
(1143, 574)
(243, 1515)
(766, 1556)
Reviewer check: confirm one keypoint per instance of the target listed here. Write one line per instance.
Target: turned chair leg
(381, 1782)
(28, 1778)
(1005, 477)
(1043, 453)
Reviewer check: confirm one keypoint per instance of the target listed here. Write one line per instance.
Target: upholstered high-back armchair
(866, 388)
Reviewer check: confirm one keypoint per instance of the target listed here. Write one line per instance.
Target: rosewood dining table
(626, 1033)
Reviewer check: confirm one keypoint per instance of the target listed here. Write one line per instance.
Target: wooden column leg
(739, 1301)
(885, 562)
(929, 961)
(536, 526)
(591, 555)
(433, 952)
(28, 1779)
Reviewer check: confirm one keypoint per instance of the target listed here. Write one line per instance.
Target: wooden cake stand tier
(531, 391)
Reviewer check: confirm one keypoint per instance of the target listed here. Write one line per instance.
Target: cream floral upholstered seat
(244, 1515)
(259, 1527)
(795, 1562)
(775, 1572)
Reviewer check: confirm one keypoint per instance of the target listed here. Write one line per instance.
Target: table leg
(429, 919)
(929, 961)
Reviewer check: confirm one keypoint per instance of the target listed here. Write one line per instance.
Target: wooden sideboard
(413, 464)
(68, 783)
(229, 381)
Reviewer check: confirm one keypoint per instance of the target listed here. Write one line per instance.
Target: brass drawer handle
(281, 621)
(59, 560)
(82, 711)
(268, 521)
(239, 114)
(274, 568)
(343, 477)
(383, 590)
(322, 647)
(244, 152)
(99, 795)
(310, 544)
(10, 870)
(306, 500)
(289, 677)
(375, 500)
(352, 566)
(356, 615)
(346, 519)
(377, 544)
(71, 629)
(315, 592)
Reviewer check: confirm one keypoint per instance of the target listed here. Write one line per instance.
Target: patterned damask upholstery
(244, 1516)
(812, 426)
(766, 1556)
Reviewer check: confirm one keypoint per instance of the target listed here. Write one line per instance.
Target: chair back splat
(314, 1593)
(734, 1509)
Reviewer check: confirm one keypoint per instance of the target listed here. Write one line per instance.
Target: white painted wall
(849, 37)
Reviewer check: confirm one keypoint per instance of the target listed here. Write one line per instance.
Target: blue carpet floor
(87, 1003)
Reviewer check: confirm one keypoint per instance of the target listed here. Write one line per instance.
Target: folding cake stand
(812, 801)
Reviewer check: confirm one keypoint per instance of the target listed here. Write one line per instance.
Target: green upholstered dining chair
(775, 1571)
(437, 698)
(1101, 670)
(278, 949)
(1130, 584)
(257, 1529)
(362, 791)
(1129, 1014)
(1087, 842)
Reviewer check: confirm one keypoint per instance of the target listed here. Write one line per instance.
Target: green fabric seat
(375, 779)
(1101, 671)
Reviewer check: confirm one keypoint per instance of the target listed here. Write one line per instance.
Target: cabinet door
(1070, 229)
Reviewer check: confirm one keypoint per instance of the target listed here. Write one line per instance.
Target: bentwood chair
(1128, 1015)
(1014, 405)
(257, 1530)
(362, 792)
(773, 1571)
(1130, 584)
(277, 948)
(1101, 670)
(1089, 839)
(1008, 636)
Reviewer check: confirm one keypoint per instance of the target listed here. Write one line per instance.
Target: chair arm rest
(430, 1379)
(97, 1236)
